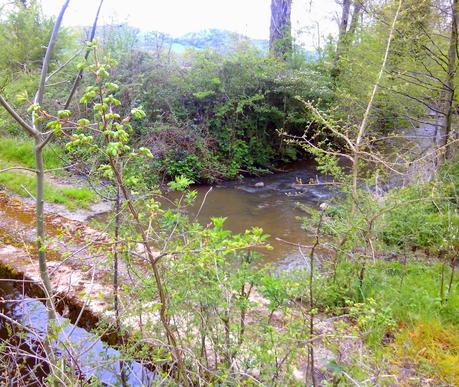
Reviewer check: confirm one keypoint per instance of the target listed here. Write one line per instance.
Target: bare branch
(78, 78)
(31, 130)
(49, 51)
(18, 168)
(61, 67)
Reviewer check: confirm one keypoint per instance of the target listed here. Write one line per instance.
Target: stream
(269, 202)
(273, 207)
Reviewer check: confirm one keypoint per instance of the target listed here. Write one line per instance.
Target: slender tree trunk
(280, 32)
(451, 277)
(442, 283)
(450, 86)
(310, 374)
(40, 142)
(41, 236)
(116, 258)
(164, 310)
(363, 126)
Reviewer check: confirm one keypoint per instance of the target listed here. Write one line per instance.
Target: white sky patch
(177, 17)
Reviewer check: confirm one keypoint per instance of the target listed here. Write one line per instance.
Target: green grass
(72, 198)
(424, 215)
(20, 152)
(412, 292)
(434, 347)
(393, 294)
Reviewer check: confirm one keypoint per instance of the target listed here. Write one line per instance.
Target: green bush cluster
(425, 215)
(216, 116)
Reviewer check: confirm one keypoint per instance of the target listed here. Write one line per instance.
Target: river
(269, 202)
(273, 207)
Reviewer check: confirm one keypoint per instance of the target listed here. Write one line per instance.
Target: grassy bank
(394, 276)
(405, 312)
(19, 152)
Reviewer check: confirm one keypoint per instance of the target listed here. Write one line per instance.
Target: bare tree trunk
(40, 142)
(344, 21)
(280, 32)
(343, 24)
(116, 259)
(358, 4)
(346, 31)
(163, 311)
(451, 278)
(452, 67)
(310, 373)
(41, 236)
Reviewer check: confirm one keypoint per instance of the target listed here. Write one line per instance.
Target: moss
(434, 349)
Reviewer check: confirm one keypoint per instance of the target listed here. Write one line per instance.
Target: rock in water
(260, 184)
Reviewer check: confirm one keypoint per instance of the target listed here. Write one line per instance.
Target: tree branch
(78, 78)
(13, 113)
(52, 42)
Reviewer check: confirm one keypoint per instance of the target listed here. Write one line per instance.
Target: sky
(177, 17)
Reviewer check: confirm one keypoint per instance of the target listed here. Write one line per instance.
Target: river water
(270, 202)
(273, 207)
(95, 359)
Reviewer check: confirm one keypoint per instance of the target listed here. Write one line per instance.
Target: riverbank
(383, 291)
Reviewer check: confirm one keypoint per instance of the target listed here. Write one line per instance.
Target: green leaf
(56, 126)
(64, 114)
(145, 152)
(83, 122)
(22, 97)
(110, 86)
(33, 108)
(181, 183)
(138, 113)
(218, 222)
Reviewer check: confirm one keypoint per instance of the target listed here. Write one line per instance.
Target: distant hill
(222, 41)
(216, 39)
(219, 40)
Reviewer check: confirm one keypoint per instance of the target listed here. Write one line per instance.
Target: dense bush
(215, 116)
(425, 215)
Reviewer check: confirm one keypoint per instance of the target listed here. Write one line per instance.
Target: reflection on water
(273, 207)
(95, 359)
